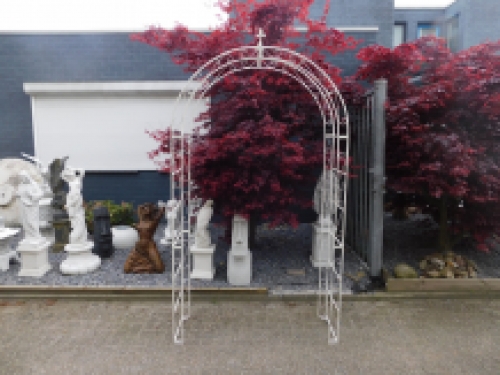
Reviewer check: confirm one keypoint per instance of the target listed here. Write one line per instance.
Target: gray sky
(67, 15)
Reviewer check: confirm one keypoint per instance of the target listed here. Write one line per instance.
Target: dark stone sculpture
(57, 183)
(60, 220)
(145, 257)
(103, 239)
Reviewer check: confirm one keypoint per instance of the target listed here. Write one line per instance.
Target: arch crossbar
(335, 120)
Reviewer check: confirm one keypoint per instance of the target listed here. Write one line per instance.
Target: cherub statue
(74, 204)
(202, 235)
(29, 193)
(145, 258)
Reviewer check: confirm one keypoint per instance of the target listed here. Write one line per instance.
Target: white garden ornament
(172, 214)
(33, 249)
(80, 259)
(46, 214)
(9, 182)
(239, 258)
(322, 248)
(203, 250)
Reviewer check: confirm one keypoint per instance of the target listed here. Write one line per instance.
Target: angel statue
(202, 235)
(74, 204)
(29, 193)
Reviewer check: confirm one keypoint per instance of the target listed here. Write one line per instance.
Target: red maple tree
(443, 131)
(262, 144)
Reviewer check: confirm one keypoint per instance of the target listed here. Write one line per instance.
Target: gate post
(377, 180)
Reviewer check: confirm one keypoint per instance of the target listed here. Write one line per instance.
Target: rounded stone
(404, 271)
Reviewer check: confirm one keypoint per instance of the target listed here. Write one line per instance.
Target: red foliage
(262, 139)
(443, 127)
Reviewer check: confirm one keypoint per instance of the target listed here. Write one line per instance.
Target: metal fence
(365, 196)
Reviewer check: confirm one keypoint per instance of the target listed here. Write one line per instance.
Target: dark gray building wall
(67, 58)
(412, 17)
(479, 20)
(72, 57)
(365, 13)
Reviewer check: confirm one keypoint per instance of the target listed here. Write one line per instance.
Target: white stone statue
(202, 235)
(322, 240)
(74, 204)
(10, 207)
(172, 213)
(29, 193)
(322, 204)
(80, 259)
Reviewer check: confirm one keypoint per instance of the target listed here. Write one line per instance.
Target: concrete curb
(443, 285)
(237, 294)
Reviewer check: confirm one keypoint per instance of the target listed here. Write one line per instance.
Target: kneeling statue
(145, 257)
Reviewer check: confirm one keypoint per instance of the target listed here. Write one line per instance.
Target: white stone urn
(124, 237)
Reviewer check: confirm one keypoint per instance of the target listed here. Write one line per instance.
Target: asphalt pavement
(394, 336)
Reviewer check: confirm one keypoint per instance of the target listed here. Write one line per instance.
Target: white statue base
(6, 251)
(239, 267)
(80, 259)
(203, 262)
(320, 245)
(34, 257)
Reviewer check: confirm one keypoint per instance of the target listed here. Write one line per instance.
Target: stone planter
(124, 237)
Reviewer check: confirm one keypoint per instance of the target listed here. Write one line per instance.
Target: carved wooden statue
(145, 257)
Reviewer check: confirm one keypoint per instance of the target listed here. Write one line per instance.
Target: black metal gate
(365, 196)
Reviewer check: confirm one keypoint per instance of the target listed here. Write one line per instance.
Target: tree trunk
(444, 243)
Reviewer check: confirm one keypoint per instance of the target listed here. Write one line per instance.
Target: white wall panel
(102, 126)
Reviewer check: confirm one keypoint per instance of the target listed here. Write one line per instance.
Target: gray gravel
(409, 241)
(277, 251)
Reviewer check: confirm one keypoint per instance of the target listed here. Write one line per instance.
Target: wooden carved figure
(145, 258)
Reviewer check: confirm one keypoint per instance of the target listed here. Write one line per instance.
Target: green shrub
(120, 214)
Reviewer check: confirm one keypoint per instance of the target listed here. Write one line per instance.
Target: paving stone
(394, 336)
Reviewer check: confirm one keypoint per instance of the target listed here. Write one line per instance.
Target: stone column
(239, 258)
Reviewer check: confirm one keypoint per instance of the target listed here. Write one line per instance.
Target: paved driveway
(134, 337)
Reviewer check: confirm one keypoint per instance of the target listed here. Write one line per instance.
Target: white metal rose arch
(335, 159)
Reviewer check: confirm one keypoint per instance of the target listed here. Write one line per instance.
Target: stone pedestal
(239, 268)
(6, 251)
(321, 246)
(203, 262)
(62, 228)
(239, 258)
(80, 259)
(34, 257)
